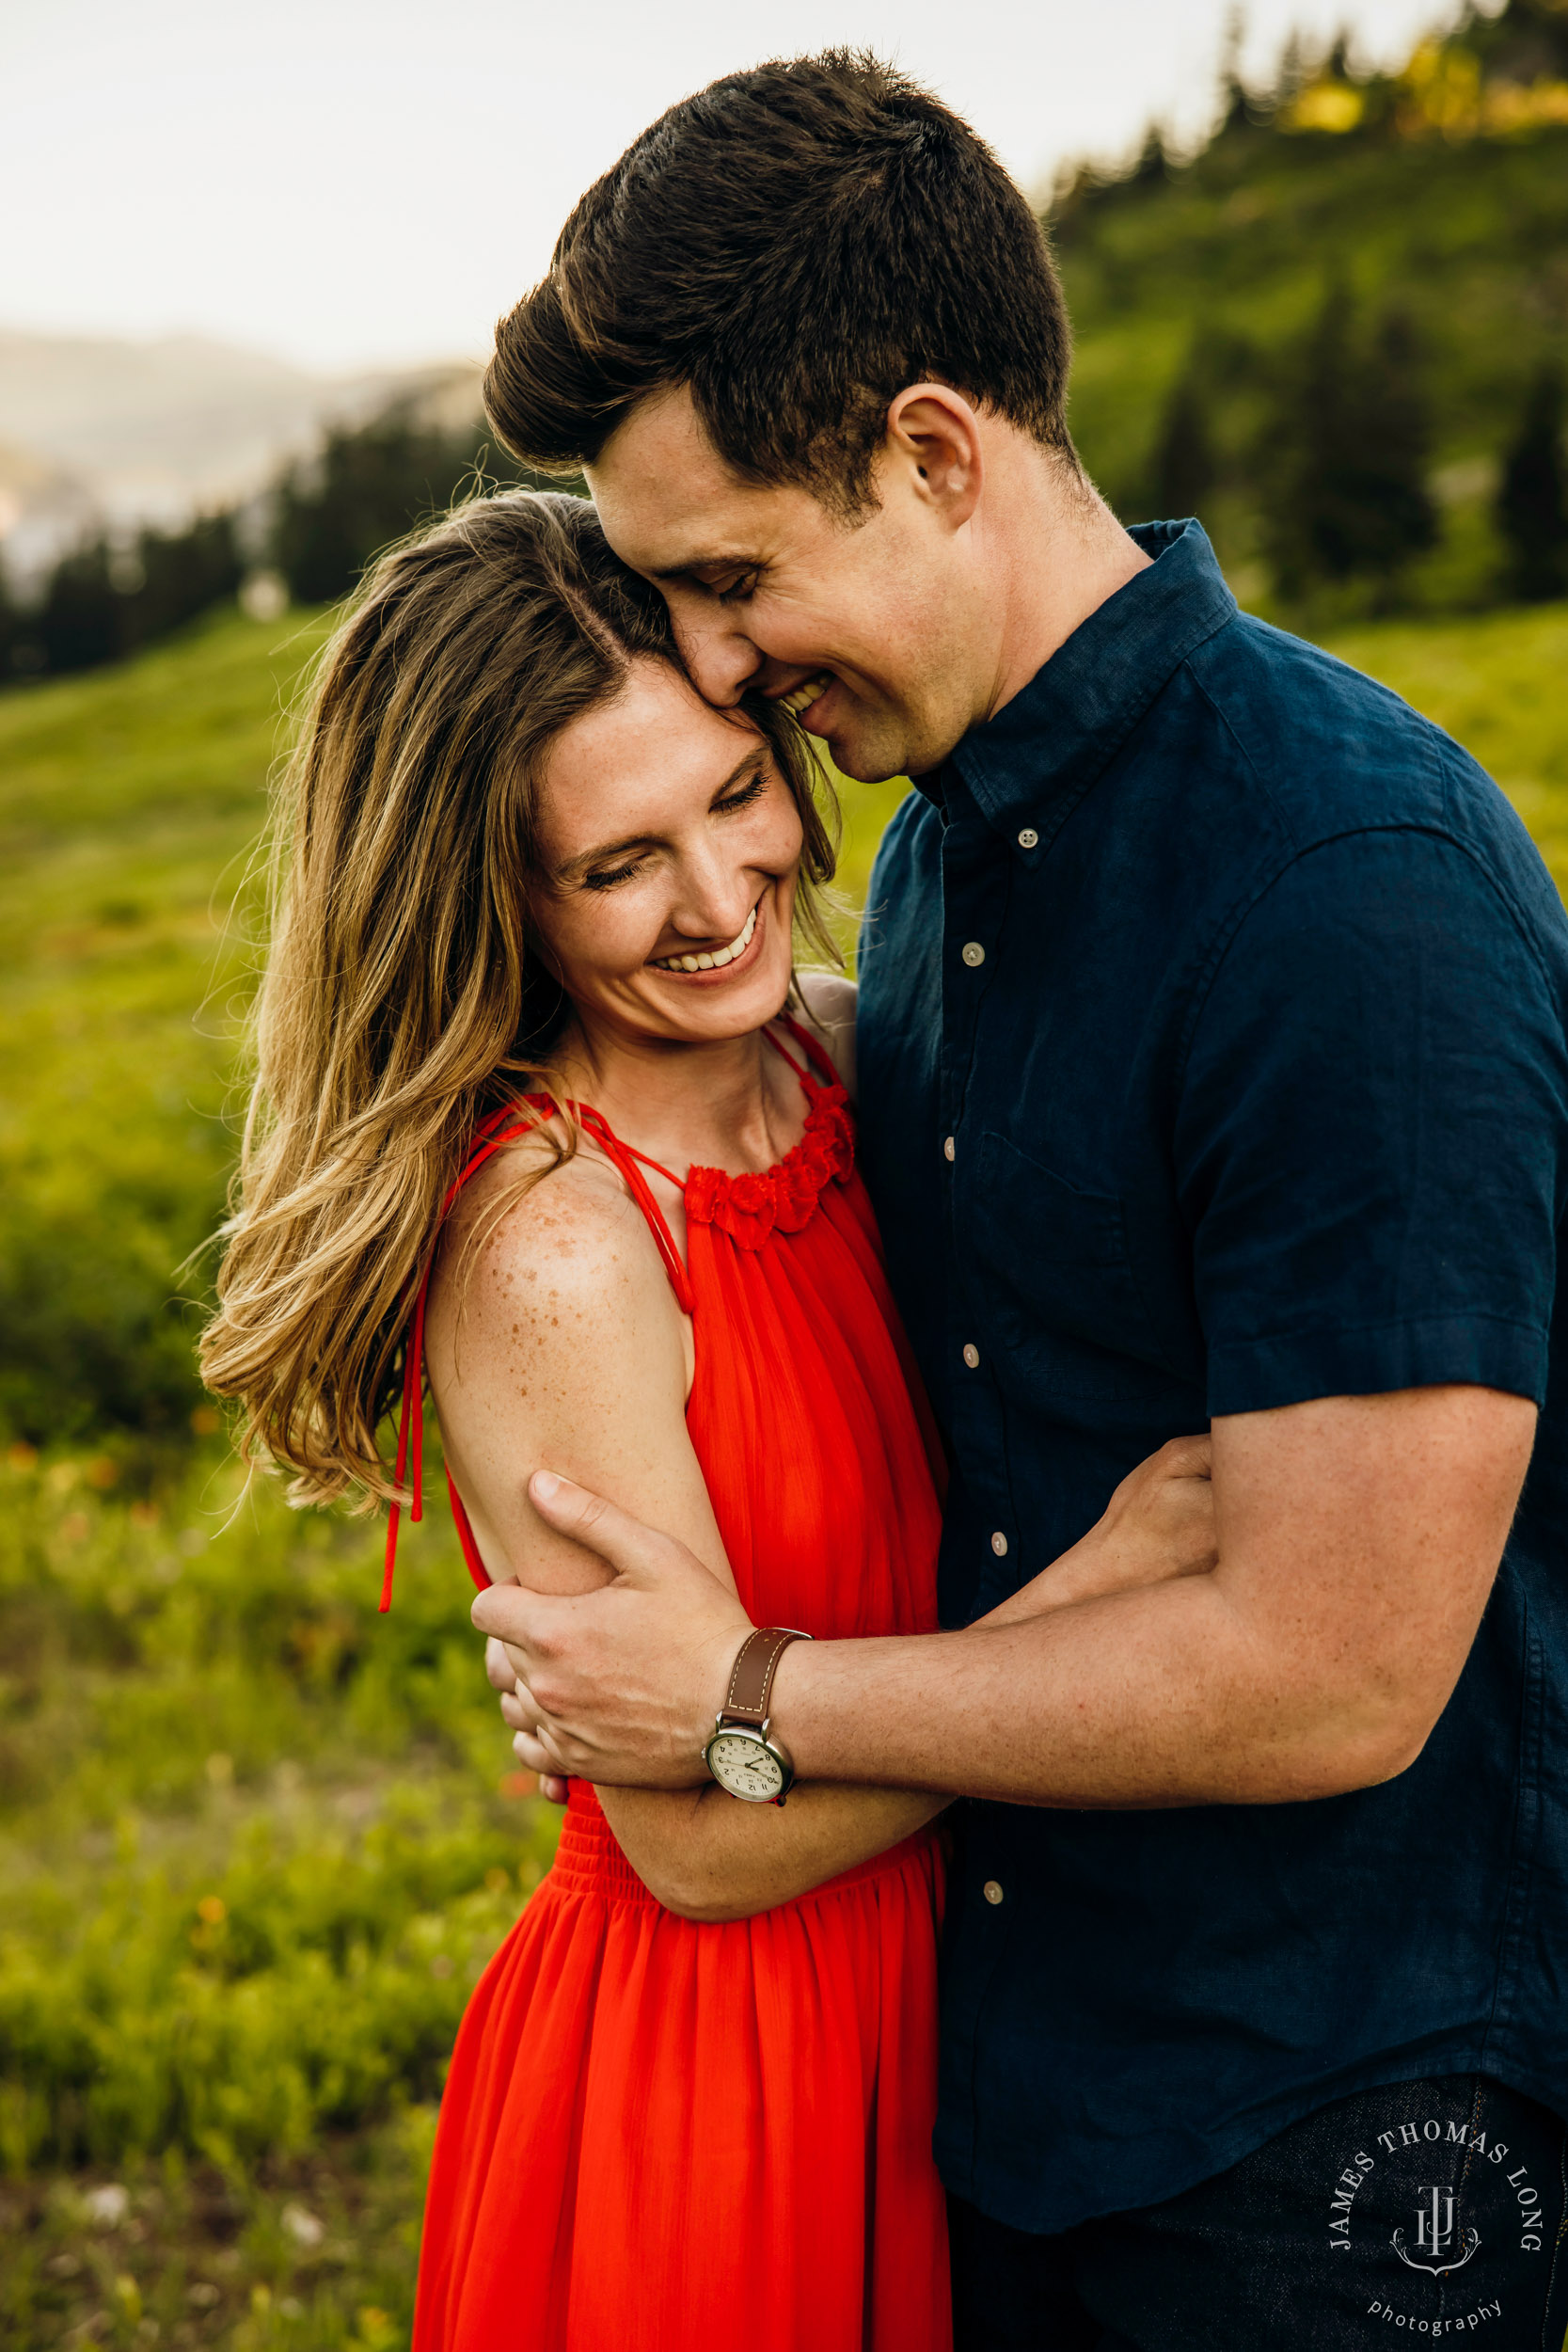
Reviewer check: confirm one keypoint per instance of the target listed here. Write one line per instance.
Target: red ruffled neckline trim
(779, 1199)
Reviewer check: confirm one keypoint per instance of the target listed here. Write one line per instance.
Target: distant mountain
(133, 432)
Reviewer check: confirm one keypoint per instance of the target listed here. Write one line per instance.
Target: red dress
(658, 2135)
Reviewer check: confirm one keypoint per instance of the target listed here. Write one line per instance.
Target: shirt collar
(1047, 745)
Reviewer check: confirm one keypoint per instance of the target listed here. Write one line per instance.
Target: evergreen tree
(367, 488)
(79, 624)
(1347, 496)
(1532, 500)
(1184, 465)
(177, 575)
(10, 624)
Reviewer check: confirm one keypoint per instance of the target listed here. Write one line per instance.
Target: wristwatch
(740, 1756)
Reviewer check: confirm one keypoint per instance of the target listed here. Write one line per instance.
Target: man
(1212, 1069)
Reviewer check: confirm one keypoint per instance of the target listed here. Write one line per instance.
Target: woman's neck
(733, 1103)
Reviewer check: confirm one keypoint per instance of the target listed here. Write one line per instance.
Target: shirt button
(999, 1545)
(974, 952)
(991, 1891)
(972, 1354)
(1028, 838)
(947, 1148)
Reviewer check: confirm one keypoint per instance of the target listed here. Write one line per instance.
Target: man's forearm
(1158, 1697)
(1355, 1542)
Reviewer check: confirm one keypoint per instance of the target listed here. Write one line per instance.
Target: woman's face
(669, 848)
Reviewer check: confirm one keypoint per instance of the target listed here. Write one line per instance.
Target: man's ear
(934, 433)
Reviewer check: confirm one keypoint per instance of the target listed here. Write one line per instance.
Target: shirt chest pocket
(1055, 1282)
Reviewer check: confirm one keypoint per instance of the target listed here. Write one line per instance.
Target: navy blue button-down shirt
(1240, 996)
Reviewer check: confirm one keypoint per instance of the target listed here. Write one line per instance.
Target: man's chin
(863, 757)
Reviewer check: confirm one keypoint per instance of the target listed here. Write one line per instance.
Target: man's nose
(720, 658)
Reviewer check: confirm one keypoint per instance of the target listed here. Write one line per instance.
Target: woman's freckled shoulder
(572, 1237)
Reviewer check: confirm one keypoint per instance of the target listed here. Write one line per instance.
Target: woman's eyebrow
(599, 856)
(608, 849)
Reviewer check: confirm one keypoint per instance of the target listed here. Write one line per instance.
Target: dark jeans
(1424, 2209)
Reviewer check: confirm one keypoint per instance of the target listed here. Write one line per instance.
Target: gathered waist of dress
(589, 1861)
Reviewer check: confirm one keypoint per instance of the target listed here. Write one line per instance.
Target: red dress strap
(626, 1159)
(488, 1138)
(821, 1066)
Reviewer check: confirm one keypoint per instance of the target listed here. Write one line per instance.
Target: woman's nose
(715, 901)
(712, 919)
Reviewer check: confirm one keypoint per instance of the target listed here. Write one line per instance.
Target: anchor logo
(1436, 2235)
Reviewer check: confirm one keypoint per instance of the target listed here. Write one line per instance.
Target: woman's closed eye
(608, 877)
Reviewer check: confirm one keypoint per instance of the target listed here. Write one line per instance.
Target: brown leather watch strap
(751, 1677)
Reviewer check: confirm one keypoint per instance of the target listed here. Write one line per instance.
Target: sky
(347, 184)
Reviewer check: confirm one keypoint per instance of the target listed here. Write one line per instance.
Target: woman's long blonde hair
(402, 997)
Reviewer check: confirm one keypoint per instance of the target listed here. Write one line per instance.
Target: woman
(531, 1112)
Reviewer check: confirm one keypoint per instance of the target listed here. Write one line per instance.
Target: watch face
(745, 1765)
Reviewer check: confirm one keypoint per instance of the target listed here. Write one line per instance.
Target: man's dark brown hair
(796, 244)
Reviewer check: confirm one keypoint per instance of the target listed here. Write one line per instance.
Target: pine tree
(10, 624)
(177, 575)
(79, 623)
(367, 488)
(1347, 498)
(1532, 500)
(1184, 465)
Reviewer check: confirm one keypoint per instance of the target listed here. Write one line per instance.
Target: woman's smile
(715, 964)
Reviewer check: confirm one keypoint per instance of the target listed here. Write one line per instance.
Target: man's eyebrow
(608, 849)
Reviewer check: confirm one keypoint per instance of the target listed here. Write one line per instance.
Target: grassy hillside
(130, 802)
(255, 1841)
(1440, 192)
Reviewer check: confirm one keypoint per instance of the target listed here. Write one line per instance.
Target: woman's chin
(705, 1009)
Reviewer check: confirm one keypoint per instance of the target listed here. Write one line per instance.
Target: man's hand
(620, 1685)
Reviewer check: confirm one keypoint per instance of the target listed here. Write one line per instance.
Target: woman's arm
(568, 1348)
(708, 1856)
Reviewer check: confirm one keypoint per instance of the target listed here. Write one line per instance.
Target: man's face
(869, 629)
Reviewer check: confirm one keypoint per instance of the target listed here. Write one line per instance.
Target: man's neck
(1060, 554)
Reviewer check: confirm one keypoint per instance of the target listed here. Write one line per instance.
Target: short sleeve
(1370, 1133)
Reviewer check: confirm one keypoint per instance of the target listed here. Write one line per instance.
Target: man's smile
(800, 698)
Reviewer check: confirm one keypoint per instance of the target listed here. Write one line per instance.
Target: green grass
(130, 804)
(256, 1844)
(255, 1840)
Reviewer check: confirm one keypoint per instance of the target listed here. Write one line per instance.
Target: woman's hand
(1159, 1524)
(502, 1678)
